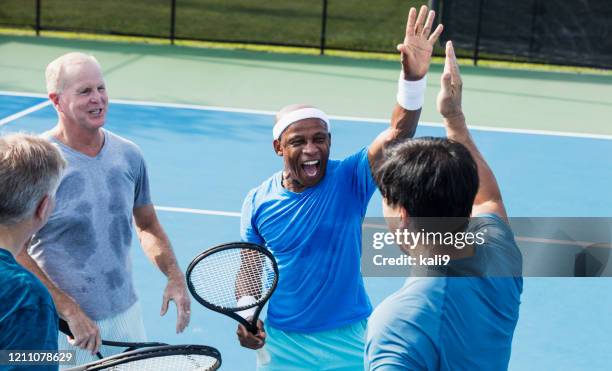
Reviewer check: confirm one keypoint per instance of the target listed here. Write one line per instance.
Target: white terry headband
(297, 115)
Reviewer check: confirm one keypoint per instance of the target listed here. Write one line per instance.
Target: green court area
(502, 98)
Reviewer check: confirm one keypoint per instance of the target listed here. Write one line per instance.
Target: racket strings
(186, 362)
(225, 276)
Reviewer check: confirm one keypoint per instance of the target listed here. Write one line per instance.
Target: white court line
(583, 244)
(545, 241)
(18, 94)
(25, 112)
(334, 117)
(197, 211)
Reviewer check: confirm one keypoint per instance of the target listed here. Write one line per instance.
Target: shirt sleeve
(360, 175)
(502, 254)
(397, 345)
(142, 193)
(248, 229)
(31, 328)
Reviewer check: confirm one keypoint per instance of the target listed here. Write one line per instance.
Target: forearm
(244, 286)
(157, 248)
(251, 266)
(488, 190)
(403, 122)
(403, 125)
(64, 304)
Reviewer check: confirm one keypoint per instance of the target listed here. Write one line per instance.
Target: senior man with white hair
(30, 171)
(82, 254)
(309, 215)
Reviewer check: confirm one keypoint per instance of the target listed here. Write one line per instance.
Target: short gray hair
(30, 168)
(56, 70)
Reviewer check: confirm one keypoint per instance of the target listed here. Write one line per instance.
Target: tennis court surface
(203, 161)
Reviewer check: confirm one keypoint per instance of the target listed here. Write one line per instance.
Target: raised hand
(418, 43)
(449, 97)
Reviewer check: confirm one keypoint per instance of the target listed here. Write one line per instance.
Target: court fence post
(37, 26)
(323, 28)
(478, 30)
(534, 15)
(172, 20)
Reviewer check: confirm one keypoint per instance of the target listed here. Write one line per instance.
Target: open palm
(418, 43)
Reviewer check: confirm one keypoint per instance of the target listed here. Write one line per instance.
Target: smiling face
(83, 100)
(304, 146)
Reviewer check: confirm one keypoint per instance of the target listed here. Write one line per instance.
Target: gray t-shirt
(84, 247)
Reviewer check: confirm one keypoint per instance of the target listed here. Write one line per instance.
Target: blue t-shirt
(28, 320)
(453, 323)
(315, 237)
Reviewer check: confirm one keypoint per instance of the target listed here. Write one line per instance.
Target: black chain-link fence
(570, 32)
(565, 32)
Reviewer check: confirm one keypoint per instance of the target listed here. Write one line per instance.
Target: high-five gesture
(418, 43)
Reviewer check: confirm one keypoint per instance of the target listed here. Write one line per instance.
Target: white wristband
(411, 94)
(244, 302)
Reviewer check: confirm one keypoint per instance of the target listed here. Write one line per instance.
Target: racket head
(167, 357)
(215, 276)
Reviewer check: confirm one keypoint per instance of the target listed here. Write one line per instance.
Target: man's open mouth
(311, 168)
(95, 112)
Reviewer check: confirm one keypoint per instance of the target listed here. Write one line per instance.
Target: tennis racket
(63, 327)
(162, 358)
(235, 279)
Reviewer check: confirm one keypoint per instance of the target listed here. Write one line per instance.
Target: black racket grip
(63, 327)
(252, 327)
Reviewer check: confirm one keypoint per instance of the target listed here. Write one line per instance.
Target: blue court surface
(202, 162)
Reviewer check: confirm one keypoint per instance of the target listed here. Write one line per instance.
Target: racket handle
(252, 327)
(63, 327)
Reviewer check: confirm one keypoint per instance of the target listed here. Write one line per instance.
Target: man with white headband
(309, 215)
